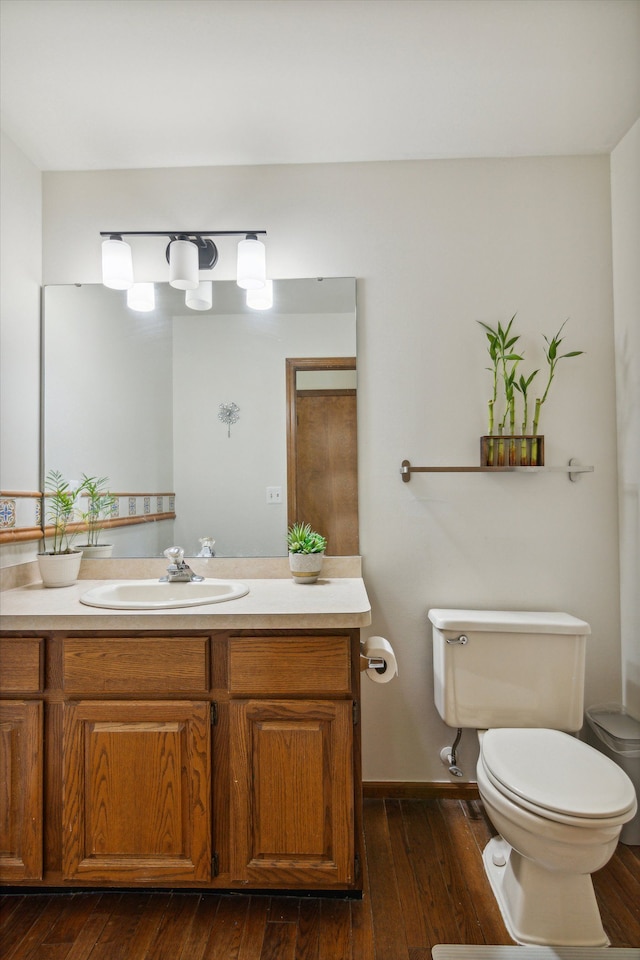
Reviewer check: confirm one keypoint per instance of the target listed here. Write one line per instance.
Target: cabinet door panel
(292, 792)
(21, 751)
(137, 791)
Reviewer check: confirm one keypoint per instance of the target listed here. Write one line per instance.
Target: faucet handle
(174, 555)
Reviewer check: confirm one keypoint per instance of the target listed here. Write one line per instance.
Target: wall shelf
(572, 469)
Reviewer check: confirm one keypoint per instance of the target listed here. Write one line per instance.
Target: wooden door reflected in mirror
(322, 449)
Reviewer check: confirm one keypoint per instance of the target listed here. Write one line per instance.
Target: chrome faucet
(178, 571)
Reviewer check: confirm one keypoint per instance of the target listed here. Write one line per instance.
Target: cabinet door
(21, 751)
(292, 793)
(137, 791)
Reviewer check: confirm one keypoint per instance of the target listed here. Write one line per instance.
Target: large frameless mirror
(186, 412)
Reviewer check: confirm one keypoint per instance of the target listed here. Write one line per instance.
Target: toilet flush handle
(462, 639)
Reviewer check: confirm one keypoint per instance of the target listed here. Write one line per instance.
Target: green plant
(100, 504)
(504, 365)
(552, 357)
(60, 504)
(503, 361)
(302, 539)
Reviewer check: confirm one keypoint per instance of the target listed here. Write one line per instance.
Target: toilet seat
(557, 777)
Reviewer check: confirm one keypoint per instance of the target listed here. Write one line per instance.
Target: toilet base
(539, 906)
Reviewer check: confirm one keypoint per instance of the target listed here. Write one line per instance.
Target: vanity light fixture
(117, 263)
(188, 252)
(141, 297)
(252, 270)
(202, 297)
(261, 299)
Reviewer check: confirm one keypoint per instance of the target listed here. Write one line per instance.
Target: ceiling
(109, 84)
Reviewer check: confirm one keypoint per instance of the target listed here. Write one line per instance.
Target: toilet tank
(514, 669)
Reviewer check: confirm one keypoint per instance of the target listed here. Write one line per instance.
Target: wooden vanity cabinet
(21, 758)
(291, 759)
(227, 760)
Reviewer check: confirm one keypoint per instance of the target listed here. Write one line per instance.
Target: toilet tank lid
(508, 621)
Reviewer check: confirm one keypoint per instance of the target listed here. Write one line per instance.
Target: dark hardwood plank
(173, 928)
(463, 844)
(139, 935)
(618, 894)
(408, 858)
(308, 941)
(388, 921)
(17, 922)
(83, 946)
(227, 929)
(335, 930)
(254, 930)
(24, 946)
(70, 921)
(279, 942)
(197, 937)
(362, 920)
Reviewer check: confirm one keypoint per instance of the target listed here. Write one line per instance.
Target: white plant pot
(98, 551)
(59, 569)
(305, 567)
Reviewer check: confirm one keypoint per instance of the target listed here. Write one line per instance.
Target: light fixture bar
(175, 234)
(189, 253)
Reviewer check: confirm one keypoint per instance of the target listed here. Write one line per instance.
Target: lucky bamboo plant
(505, 357)
(552, 357)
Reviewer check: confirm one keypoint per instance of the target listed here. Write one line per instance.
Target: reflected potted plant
(306, 552)
(60, 566)
(99, 506)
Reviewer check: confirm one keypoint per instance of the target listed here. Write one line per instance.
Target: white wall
(436, 246)
(21, 272)
(221, 492)
(625, 202)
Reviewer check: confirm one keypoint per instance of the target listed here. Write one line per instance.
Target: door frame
(293, 365)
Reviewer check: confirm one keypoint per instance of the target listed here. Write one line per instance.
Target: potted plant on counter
(306, 552)
(99, 506)
(59, 566)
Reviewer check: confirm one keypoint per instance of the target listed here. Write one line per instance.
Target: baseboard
(398, 790)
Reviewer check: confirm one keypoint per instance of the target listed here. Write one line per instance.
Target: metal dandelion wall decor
(229, 413)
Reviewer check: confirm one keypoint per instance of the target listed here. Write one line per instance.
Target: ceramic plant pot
(98, 551)
(305, 567)
(59, 569)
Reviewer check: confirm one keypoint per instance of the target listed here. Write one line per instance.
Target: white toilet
(558, 804)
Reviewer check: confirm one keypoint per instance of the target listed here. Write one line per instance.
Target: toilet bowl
(559, 810)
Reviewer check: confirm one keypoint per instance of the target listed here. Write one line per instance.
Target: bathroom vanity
(214, 746)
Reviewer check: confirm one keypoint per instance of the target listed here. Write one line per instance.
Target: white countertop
(270, 604)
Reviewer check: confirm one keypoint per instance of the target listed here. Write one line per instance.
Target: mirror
(184, 411)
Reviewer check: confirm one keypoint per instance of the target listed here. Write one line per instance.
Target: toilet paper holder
(376, 663)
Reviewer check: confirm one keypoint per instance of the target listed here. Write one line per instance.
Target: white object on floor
(446, 951)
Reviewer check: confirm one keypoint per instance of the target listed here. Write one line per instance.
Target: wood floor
(425, 885)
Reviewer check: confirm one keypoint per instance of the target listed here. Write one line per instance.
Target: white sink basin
(154, 595)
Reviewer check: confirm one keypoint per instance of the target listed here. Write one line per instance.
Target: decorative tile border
(21, 512)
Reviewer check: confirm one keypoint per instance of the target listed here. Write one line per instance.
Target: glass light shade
(117, 264)
(141, 297)
(252, 268)
(261, 299)
(183, 265)
(202, 297)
